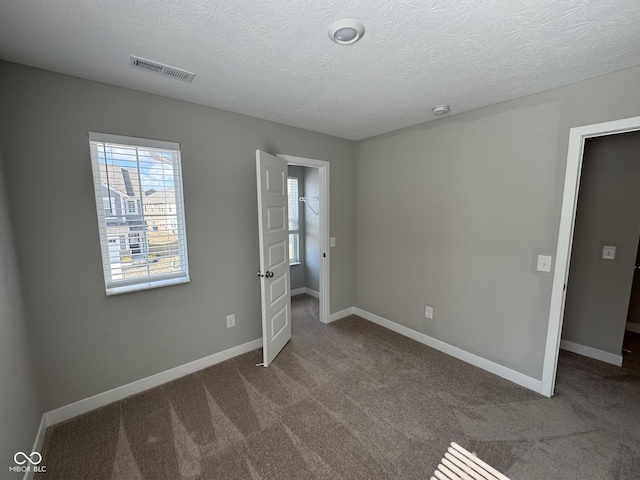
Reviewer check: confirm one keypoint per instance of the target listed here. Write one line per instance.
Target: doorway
(273, 239)
(631, 341)
(633, 315)
(304, 227)
(577, 138)
(309, 232)
(605, 240)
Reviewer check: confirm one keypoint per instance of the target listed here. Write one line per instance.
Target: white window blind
(134, 180)
(294, 223)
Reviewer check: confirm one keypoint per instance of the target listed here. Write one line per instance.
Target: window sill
(291, 264)
(147, 285)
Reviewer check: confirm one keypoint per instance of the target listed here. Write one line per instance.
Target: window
(134, 243)
(132, 206)
(109, 206)
(294, 224)
(135, 173)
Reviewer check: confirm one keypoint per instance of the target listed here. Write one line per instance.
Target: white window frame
(118, 286)
(296, 233)
(128, 210)
(109, 204)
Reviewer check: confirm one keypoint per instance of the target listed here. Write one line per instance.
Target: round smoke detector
(346, 32)
(440, 109)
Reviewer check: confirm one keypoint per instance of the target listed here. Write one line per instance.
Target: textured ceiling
(272, 59)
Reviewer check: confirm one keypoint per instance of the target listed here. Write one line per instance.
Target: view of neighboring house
(160, 210)
(141, 224)
(121, 194)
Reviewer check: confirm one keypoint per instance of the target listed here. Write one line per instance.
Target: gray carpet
(352, 400)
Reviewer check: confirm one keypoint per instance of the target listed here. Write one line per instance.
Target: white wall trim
(633, 327)
(577, 137)
(483, 363)
(324, 220)
(37, 445)
(313, 293)
(100, 400)
(308, 291)
(341, 314)
(591, 352)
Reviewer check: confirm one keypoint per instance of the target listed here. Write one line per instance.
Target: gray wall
(452, 213)
(297, 271)
(312, 230)
(86, 343)
(608, 213)
(20, 407)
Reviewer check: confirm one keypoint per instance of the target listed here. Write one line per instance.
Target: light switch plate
(332, 241)
(544, 263)
(609, 252)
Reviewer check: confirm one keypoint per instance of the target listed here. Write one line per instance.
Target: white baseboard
(37, 445)
(308, 291)
(313, 293)
(100, 400)
(483, 363)
(341, 314)
(591, 352)
(633, 327)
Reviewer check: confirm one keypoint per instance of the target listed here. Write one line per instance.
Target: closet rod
(304, 199)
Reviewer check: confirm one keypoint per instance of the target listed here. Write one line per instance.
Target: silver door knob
(268, 274)
(260, 275)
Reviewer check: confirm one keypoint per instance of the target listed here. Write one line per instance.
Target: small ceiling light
(346, 32)
(440, 109)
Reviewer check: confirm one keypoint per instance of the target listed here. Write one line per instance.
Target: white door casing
(273, 234)
(577, 137)
(324, 220)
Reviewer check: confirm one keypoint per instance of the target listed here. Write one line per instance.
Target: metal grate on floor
(459, 464)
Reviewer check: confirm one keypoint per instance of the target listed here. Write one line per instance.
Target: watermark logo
(28, 463)
(21, 458)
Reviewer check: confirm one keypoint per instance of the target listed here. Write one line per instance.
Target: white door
(273, 234)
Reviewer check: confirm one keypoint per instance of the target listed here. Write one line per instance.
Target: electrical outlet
(231, 320)
(428, 312)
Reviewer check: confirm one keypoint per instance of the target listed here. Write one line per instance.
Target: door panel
(280, 322)
(278, 289)
(274, 260)
(277, 255)
(276, 218)
(274, 179)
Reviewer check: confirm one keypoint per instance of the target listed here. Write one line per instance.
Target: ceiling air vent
(156, 67)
